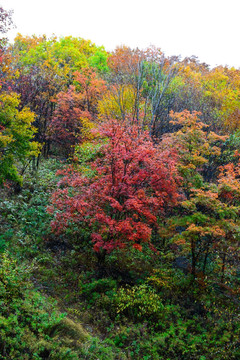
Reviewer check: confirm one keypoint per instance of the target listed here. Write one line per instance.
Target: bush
(140, 303)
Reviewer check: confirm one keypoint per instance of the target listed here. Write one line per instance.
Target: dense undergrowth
(54, 305)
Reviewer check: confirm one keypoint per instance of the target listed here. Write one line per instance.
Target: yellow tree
(16, 134)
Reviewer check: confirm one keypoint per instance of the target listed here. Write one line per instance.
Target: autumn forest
(119, 203)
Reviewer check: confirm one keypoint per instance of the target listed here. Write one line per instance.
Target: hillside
(119, 203)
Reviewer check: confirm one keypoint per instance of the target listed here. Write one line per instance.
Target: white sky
(209, 29)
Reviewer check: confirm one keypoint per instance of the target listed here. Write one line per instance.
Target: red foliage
(124, 60)
(66, 125)
(90, 88)
(75, 109)
(133, 183)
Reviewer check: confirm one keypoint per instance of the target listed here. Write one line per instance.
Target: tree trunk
(101, 268)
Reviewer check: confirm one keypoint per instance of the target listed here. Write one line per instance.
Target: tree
(76, 110)
(206, 225)
(133, 183)
(70, 121)
(196, 145)
(214, 93)
(147, 76)
(117, 103)
(16, 133)
(158, 74)
(210, 226)
(90, 88)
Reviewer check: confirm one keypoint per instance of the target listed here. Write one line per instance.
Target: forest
(119, 203)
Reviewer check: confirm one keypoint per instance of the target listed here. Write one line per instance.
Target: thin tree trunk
(101, 266)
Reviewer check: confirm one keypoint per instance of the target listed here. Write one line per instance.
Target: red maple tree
(133, 183)
(67, 123)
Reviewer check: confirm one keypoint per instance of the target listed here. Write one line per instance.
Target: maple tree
(76, 110)
(70, 122)
(132, 183)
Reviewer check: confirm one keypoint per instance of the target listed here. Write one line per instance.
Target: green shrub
(140, 303)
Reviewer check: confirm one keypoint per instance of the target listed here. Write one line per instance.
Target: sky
(208, 29)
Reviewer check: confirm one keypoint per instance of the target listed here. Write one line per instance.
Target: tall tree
(148, 74)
